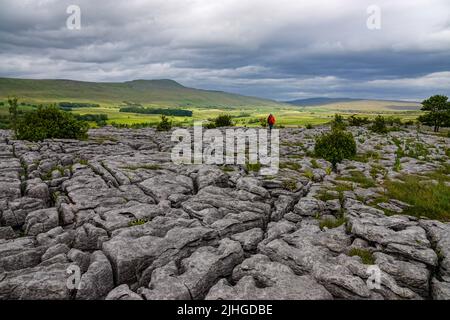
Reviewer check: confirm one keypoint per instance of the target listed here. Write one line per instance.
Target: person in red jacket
(271, 121)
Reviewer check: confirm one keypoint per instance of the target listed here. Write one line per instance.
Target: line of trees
(166, 112)
(73, 105)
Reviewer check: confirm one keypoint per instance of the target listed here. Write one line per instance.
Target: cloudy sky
(278, 49)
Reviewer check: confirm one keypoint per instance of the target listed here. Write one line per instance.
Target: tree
(338, 122)
(355, 121)
(437, 110)
(165, 124)
(379, 125)
(50, 122)
(12, 101)
(335, 146)
(223, 120)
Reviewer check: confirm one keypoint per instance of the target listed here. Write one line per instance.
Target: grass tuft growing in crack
(365, 255)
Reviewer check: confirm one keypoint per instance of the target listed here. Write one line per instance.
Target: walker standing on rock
(271, 121)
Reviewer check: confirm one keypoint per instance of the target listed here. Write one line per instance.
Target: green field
(169, 94)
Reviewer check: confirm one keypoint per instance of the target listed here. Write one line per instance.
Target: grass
(290, 165)
(253, 167)
(426, 199)
(314, 164)
(226, 168)
(365, 255)
(366, 157)
(360, 178)
(416, 150)
(332, 223)
(447, 152)
(309, 174)
(325, 196)
(376, 170)
(290, 185)
(137, 222)
(246, 111)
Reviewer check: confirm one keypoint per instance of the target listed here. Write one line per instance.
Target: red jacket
(271, 120)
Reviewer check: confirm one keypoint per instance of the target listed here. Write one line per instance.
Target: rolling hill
(356, 105)
(162, 92)
(319, 101)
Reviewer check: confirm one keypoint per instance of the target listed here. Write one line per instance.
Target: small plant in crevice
(365, 255)
(252, 167)
(309, 174)
(137, 222)
(332, 223)
(315, 165)
(290, 185)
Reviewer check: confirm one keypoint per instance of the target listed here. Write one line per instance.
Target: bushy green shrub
(263, 122)
(355, 121)
(338, 122)
(335, 146)
(50, 122)
(223, 120)
(165, 124)
(308, 126)
(210, 125)
(379, 125)
(394, 121)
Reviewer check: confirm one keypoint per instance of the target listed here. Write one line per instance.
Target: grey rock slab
(132, 255)
(98, 280)
(439, 234)
(89, 237)
(122, 217)
(7, 233)
(160, 187)
(38, 283)
(41, 221)
(55, 250)
(258, 278)
(252, 185)
(249, 239)
(283, 204)
(18, 210)
(440, 290)
(309, 206)
(224, 200)
(55, 236)
(209, 175)
(200, 272)
(123, 292)
(411, 275)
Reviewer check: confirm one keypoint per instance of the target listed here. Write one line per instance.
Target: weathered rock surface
(138, 226)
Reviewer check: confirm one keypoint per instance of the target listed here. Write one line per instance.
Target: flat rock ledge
(113, 218)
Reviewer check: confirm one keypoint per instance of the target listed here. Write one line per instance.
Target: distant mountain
(319, 101)
(163, 92)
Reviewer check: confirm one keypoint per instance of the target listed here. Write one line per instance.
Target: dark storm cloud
(276, 49)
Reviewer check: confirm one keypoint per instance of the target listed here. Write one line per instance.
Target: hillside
(154, 92)
(319, 101)
(357, 105)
